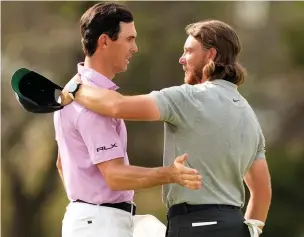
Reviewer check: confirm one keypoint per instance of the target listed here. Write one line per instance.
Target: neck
(99, 66)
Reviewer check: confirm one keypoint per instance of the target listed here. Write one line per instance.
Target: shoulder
(85, 117)
(69, 115)
(176, 92)
(203, 87)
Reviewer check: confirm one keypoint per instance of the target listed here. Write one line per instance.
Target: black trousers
(206, 221)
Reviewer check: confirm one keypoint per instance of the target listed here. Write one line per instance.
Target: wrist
(170, 174)
(255, 224)
(73, 88)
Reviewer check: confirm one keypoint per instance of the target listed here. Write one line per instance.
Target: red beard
(194, 77)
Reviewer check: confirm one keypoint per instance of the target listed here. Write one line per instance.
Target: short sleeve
(260, 154)
(100, 136)
(176, 105)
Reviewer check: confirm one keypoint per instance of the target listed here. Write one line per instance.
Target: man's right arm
(99, 132)
(127, 177)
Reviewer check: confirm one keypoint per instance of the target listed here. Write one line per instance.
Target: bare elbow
(112, 172)
(116, 187)
(113, 183)
(112, 180)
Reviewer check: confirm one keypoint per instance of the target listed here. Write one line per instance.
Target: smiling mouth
(128, 59)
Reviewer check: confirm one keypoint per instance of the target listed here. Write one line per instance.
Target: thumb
(61, 99)
(181, 159)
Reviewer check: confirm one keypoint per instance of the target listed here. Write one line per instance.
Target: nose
(182, 60)
(134, 48)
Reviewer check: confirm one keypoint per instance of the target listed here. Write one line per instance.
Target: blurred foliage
(44, 36)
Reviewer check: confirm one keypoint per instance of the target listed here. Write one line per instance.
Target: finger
(192, 184)
(181, 159)
(65, 98)
(61, 99)
(191, 177)
(186, 182)
(187, 170)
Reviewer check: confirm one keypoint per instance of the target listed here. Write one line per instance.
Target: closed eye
(131, 38)
(187, 50)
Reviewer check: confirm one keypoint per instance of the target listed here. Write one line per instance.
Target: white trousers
(86, 220)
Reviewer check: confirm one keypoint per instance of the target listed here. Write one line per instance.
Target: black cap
(34, 92)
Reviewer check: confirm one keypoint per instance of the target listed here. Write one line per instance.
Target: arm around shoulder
(113, 104)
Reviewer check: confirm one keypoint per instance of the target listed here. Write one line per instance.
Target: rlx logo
(103, 148)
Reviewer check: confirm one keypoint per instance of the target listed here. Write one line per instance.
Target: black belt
(128, 207)
(184, 208)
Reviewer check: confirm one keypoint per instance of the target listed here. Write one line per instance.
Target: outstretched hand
(185, 176)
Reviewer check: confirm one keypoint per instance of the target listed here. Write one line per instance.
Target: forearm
(101, 101)
(258, 206)
(112, 104)
(133, 178)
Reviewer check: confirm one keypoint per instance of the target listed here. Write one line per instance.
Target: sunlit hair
(222, 37)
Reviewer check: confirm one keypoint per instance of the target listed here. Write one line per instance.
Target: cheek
(118, 49)
(199, 61)
(192, 60)
(123, 50)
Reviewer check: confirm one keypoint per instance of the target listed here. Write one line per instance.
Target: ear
(103, 41)
(212, 54)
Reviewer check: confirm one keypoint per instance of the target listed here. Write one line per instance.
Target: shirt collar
(224, 83)
(95, 77)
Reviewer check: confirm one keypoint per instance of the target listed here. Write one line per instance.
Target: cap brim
(24, 75)
(17, 77)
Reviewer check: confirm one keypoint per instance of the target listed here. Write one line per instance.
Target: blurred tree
(28, 158)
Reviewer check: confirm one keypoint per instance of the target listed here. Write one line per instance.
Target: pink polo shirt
(86, 139)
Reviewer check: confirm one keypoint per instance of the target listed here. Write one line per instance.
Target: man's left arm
(258, 181)
(59, 167)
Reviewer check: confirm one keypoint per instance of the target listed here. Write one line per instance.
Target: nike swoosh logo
(235, 100)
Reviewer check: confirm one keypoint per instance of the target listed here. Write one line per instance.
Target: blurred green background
(44, 36)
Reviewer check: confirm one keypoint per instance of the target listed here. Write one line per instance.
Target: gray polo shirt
(218, 129)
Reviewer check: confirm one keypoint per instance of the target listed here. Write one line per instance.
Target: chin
(122, 69)
(193, 78)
